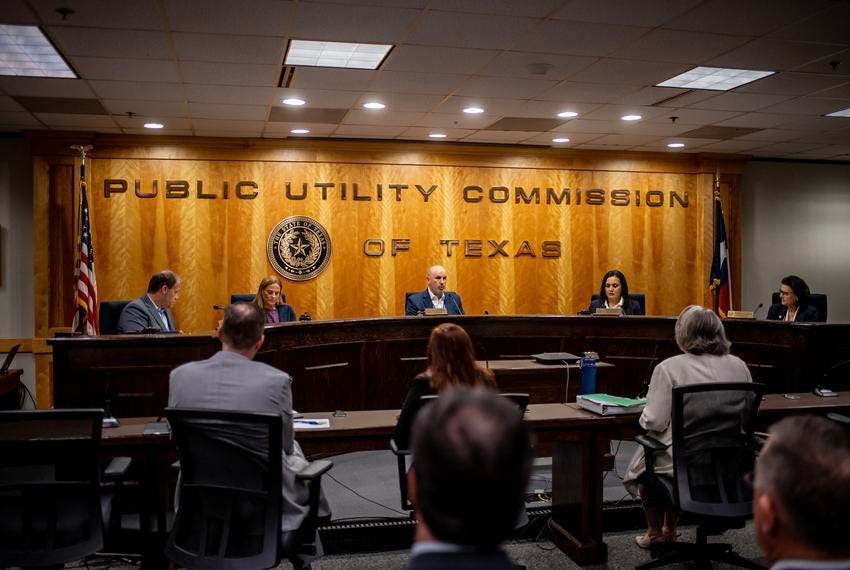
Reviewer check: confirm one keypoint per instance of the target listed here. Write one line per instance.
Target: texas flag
(718, 282)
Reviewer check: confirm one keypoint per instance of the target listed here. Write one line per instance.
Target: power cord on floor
(344, 486)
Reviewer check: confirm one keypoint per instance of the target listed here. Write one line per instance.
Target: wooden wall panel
(218, 246)
(61, 245)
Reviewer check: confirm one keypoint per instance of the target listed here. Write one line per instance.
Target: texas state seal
(299, 248)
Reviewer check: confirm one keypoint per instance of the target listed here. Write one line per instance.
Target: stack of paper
(606, 405)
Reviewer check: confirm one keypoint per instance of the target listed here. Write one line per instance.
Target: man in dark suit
(231, 380)
(152, 311)
(802, 494)
(472, 461)
(435, 296)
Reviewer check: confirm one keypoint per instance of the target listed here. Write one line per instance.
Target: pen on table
(309, 422)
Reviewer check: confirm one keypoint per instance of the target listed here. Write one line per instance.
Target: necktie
(164, 320)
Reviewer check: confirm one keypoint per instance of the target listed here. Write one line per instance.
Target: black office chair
(639, 297)
(249, 298)
(817, 300)
(714, 447)
(229, 496)
(110, 313)
(52, 510)
(521, 400)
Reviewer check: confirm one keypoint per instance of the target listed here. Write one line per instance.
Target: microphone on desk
(452, 298)
(820, 390)
(218, 308)
(756, 310)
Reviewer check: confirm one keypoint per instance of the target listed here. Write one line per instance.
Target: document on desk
(309, 423)
(606, 405)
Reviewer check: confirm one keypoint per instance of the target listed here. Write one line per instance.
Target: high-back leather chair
(249, 298)
(110, 313)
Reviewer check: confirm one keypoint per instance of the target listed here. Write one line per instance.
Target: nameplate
(436, 312)
(740, 315)
(615, 312)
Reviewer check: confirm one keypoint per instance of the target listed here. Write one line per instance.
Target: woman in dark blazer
(268, 298)
(613, 293)
(793, 306)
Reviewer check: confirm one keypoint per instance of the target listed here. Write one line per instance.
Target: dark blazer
(140, 314)
(412, 404)
(631, 307)
(490, 560)
(805, 314)
(285, 313)
(421, 301)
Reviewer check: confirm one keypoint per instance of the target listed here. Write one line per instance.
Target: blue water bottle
(588, 373)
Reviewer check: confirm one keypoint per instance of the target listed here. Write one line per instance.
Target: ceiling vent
(61, 105)
(525, 124)
(721, 133)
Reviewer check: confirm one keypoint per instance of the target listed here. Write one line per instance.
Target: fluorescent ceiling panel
(841, 113)
(26, 51)
(714, 78)
(336, 54)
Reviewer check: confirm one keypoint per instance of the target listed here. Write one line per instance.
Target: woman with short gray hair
(700, 335)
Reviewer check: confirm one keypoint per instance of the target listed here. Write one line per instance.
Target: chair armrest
(650, 443)
(394, 448)
(314, 470)
(840, 419)
(117, 469)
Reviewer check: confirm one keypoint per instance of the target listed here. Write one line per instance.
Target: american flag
(85, 297)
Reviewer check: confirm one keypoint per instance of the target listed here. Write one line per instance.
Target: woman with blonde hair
(451, 362)
(270, 299)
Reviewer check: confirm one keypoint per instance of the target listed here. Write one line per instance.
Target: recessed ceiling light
(676, 145)
(374, 105)
(154, 125)
(294, 102)
(299, 131)
(560, 140)
(336, 54)
(437, 135)
(473, 110)
(841, 113)
(631, 117)
(26, 51)
(714, 78)
(567, 114)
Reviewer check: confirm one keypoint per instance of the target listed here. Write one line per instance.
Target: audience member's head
(451, 359)
(699, 331)
(164, 288)
(472, 458)
(242, 328)
(802, 490)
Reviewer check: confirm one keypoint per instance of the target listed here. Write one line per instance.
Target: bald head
(437, 278)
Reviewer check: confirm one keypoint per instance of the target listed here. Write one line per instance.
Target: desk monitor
(9, 358)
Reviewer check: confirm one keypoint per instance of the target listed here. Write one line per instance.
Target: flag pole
(86, 300)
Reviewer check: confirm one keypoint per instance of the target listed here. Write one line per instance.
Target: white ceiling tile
(228, 125)
(550, 109)
(827, 25)
(611, 147)
(368, 131)
(824, 65)
(819, 154)
(93, 128)
(679, 46)
(649, 13)
(807, 106)
(841, 137)
(316, 129)
(227, 132)
(739, 102)
(320, 99)
(789, 148)
(388, 3)
(774, 55)
(629, 71)
(586, 126)
(369, 24)
(626, 139)
(503, 137)
(331, 78)
(804, 123)
(237, 112)
(230, 94)
(260, 17)
(18, 119)
(230, 73)
(531, 8)
(575, 138)
(365, 117)
(84, 121)
(503, 87)
(693, 116)
(755, 120)
(535, 65)
(42, 87)
(649, 96)
(615, 112)
(401, 101)
(423, 132)
(743, 17)
(153, 132)
(579, 38)
(454, 120)
(445, 60)
(732, 146)
(254, 50)
(481, 31)
(840, 92)
(571, 92)
(491, 106)
(19, 12)
(135, 15)
(771, 135)
(169, 124)
(412, 82)
(147, 109)
(130, 44)
(163, 71)
(138, 90)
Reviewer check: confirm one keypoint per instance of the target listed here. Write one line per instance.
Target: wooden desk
(363, 364)
(576, 439)
(10, 388)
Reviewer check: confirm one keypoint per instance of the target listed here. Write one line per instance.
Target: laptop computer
(9, 358)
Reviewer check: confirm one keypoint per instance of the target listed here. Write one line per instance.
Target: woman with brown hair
(270, 299)
(451, 362)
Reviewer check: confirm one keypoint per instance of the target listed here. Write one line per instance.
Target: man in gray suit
(152, 311)
(231, 380)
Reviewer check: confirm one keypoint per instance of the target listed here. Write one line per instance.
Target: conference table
(577, 441)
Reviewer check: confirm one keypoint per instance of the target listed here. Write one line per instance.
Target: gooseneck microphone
(218, 308)
(756, 310)
(452, 298)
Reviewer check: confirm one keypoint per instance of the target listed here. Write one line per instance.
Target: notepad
(309, 423)
(606, 405)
